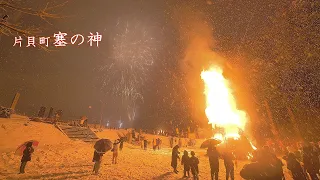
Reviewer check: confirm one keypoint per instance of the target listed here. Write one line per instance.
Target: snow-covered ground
(57, 157)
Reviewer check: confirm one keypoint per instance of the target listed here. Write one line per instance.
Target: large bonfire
(221, 108)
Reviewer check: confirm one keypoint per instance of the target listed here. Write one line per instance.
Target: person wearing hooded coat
(265, 167)
(271, 159)
(26, 157)
(295, 167)
(194, 162)
(185, 161)
(174, 158)
(214, 162)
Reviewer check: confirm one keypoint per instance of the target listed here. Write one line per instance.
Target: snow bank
(57, 157)
(16, 131)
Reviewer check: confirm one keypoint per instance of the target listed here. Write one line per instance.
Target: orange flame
(221, 107)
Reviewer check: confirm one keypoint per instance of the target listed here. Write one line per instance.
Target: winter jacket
(97, 156)
(259, 171)
(228, 160)
(213, 158)
(175, 156)
(194, 161)
(296, 170)
(185, 161)
(310, 160)
(27, 154)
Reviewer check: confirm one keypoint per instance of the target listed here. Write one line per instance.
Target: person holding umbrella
(97, 157)
(101, 146)
(26, 156)
(213, 155)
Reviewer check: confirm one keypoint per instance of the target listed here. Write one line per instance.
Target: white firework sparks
(134, 48)
(131, 112)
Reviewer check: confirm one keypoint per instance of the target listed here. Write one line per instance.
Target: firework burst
(134, 48)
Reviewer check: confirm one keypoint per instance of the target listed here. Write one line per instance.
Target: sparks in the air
(134, 48)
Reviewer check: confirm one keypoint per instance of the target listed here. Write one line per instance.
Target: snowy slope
(59, 158)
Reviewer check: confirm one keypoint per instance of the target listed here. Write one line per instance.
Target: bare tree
(11, 28)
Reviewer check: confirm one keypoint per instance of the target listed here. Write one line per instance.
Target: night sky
(146, 70)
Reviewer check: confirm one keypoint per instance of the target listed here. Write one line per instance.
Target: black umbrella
(103, 145)
(210, 142)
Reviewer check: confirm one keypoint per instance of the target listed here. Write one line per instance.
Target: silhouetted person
(115, 151)
(228, 164)
(310, 162)
(194, 161)
(265, 167)
(316, 156)
(121, 144)
(142, 143)
(26, 157)
(185, 161)
(295, 167)
(85, 123)
(174, 158)
(214, 162)
(158, 143)
(97, 157)
(133, 134)
(154, 144)
(171, 142)
(277, 163)
(145, 144)
(270, 159)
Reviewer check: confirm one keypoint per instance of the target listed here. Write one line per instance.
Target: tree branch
(11, 29)
(41, 13)
(25, 33)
